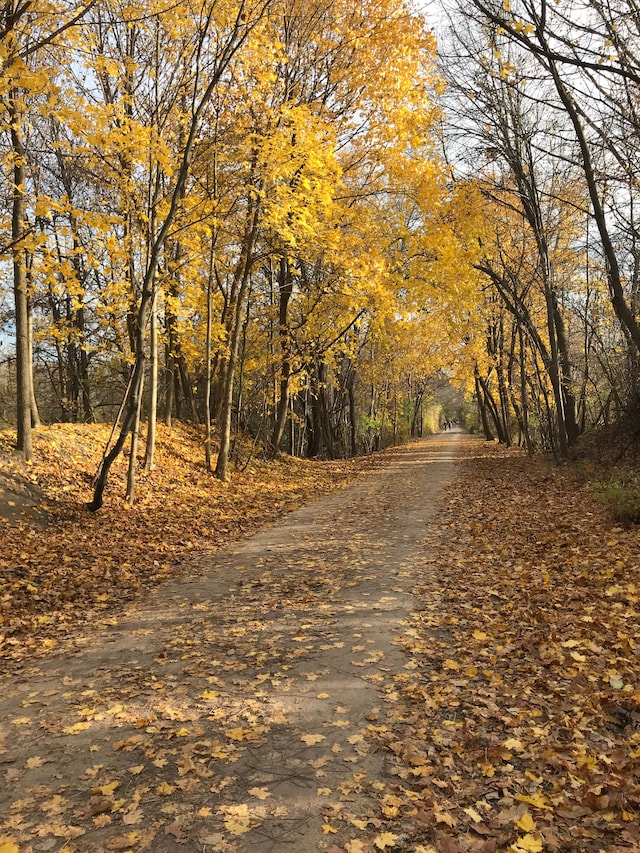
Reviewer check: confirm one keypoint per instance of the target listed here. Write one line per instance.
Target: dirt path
(239, 711)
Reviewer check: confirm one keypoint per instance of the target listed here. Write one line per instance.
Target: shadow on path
(233, 712)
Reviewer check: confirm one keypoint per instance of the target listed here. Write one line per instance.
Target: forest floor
(442, 657)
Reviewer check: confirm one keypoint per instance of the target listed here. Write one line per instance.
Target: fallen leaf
(311, 740)
(526, 822)
(237, 819)
(527, 844)
(473, 814)
(260, 793)
(106, 790)
(538, 800)
(384, 840)
(76, 728)
(133, 817)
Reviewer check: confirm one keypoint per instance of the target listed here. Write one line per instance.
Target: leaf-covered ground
(520, 725)
(361, 678)
(61, 565)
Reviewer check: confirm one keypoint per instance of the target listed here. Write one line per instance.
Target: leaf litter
(507, 710)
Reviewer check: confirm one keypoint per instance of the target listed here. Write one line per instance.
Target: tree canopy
(300, 221)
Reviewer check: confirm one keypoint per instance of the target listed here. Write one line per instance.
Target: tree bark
(133, 456)
(285, 290)
(241, 276)
(482, 406)
(24, 383)
(149, 454)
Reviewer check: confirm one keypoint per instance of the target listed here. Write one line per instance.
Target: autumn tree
(586, 52)
(26, 90)
(218, 36)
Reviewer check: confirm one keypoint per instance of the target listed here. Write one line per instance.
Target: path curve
(236, 711)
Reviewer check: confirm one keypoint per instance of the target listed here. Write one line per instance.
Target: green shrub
(622, 498)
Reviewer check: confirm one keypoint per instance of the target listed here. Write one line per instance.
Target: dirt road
(238, 711)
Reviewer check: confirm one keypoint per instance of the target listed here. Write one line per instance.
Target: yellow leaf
(9, 847)
(182, 732)
(260, 793)
(324, 792)
(473, 814)
(209, 694)
(237, 819)
(106, 790)
(77, 727)
(480, 635)
(165, 789)
(354, 846)
(240, 734)
(322, 696)
(537, 800)
(137, 769)
(526, 844)
(328, 829)
(513, 743)
(384, 840)
(36, 761)
(526, 822)
(310, 740)
(444, 817)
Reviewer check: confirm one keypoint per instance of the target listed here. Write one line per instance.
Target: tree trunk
(524, 394)
(24, 383)
(241, 276)
(285, 290)
(207, 383)
(571, 424)
(168, 389)
(492, 408)
(150, 448)
(554, 375)
(133, 456)
(482, 408)
(352, 413)
(33, 405)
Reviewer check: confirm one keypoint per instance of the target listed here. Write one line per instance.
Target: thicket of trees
(283, 217)
(544, 101)
(226, 210)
